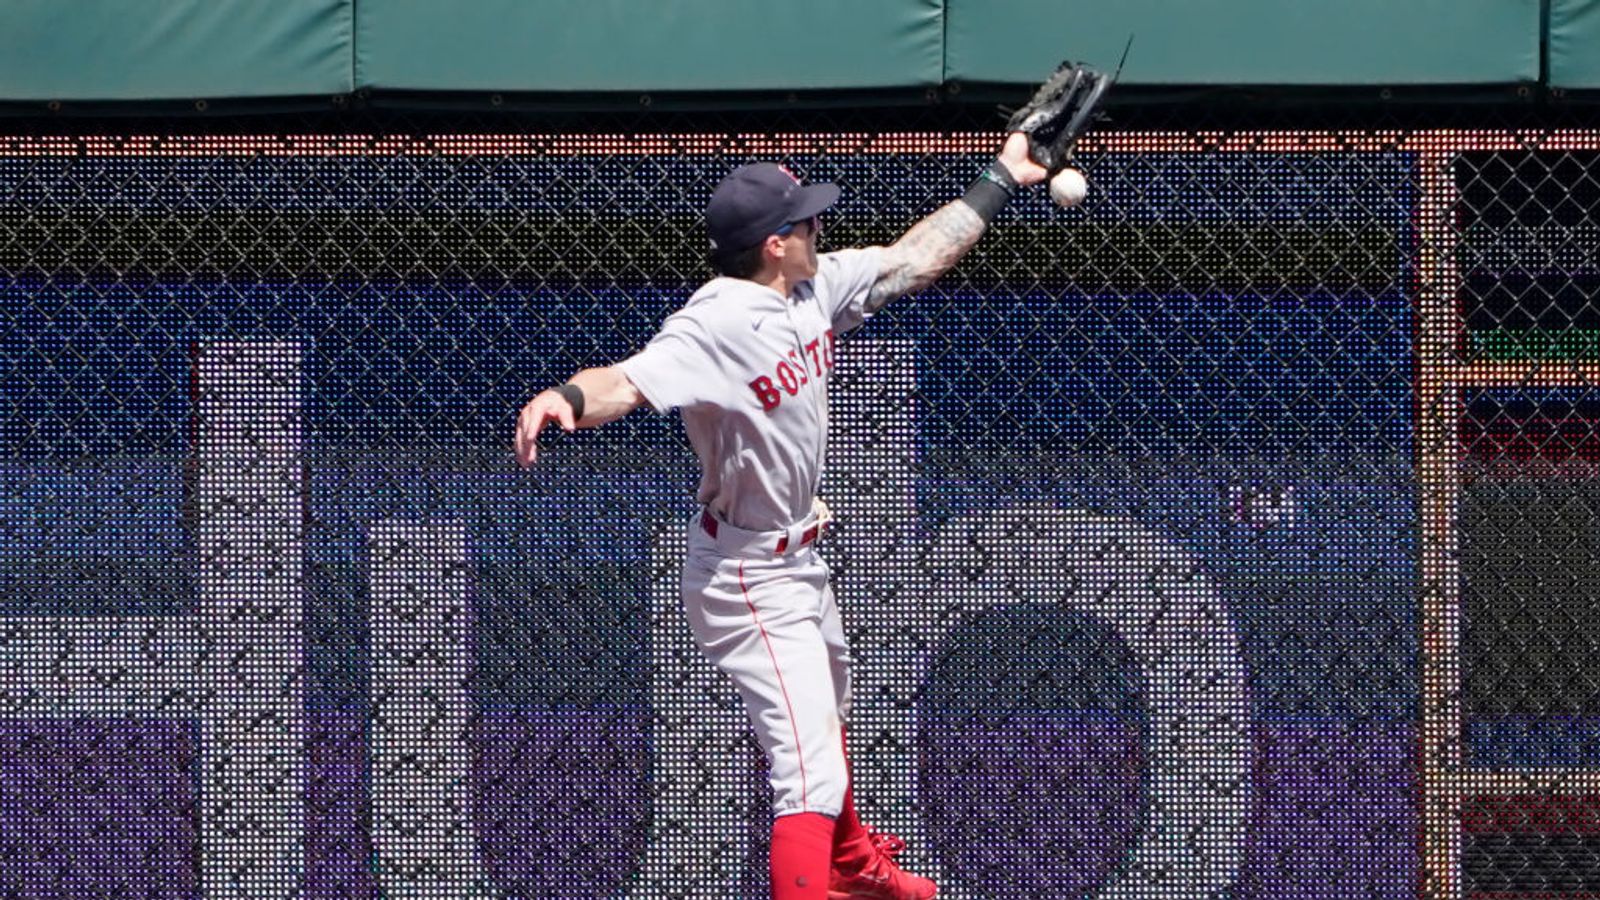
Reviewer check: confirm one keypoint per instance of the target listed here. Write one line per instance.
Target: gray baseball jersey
(749, 370)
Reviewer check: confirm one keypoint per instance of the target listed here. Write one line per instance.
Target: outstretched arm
(932, 246)
(607, 394)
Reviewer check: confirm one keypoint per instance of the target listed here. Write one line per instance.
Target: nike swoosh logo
(756, 325)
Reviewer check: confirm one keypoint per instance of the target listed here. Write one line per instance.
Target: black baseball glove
(1061, 110)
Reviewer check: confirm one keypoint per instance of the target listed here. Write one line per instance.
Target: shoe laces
(887, 844)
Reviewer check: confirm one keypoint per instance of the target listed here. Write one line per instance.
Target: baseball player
(746, 361)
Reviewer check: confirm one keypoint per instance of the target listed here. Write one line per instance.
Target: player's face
(800, 256)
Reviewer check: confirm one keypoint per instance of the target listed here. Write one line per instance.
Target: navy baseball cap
(756, 200)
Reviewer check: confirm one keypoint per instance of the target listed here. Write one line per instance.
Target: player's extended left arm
(589, 399)
(935, 244)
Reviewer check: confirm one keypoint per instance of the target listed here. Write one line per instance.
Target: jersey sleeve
(677, 368)
(842, 282)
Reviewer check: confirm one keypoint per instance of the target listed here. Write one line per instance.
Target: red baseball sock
(852, 848)
(801, 844)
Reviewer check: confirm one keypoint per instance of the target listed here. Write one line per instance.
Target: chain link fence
(1231, 535)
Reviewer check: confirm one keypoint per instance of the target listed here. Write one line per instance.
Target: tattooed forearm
(925, 252)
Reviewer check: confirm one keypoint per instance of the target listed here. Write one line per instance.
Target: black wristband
(990, 191)
(574, 397)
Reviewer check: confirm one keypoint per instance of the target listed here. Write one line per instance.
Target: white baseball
(1068, 188)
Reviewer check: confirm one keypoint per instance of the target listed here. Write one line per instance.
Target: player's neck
(774, 280)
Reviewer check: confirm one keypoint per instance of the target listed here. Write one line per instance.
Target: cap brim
(813, 199)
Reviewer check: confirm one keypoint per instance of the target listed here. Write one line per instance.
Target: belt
(775, 543)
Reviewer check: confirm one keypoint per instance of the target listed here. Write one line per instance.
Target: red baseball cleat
(879, 878)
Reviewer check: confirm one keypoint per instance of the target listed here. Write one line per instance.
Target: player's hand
(548, 406)
(1014, 156)
(824, 514)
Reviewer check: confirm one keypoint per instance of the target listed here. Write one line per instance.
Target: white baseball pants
(770, 622)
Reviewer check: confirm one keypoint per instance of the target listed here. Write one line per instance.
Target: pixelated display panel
(1530, 229)
(1531, 845)
(1527, 247)
(1528, 553)
(1214, 357)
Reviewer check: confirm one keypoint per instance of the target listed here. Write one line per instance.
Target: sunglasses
(815, 222)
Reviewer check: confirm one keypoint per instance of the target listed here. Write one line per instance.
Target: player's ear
(773, 247)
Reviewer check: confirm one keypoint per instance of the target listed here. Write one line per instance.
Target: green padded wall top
(663, 45)
(174, 49)
(1574, 50)
(1250, 42)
